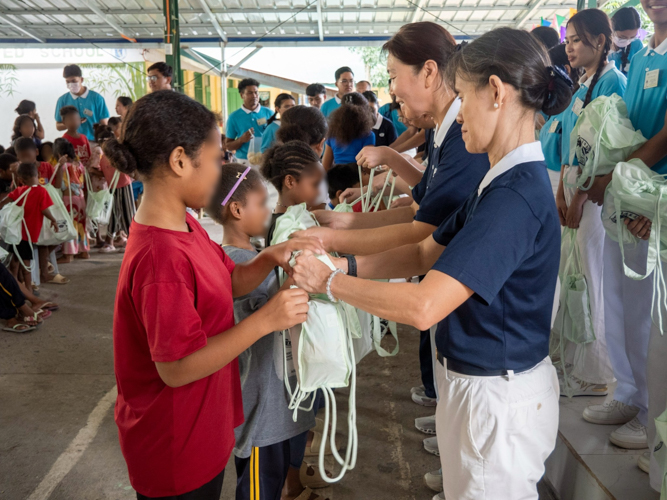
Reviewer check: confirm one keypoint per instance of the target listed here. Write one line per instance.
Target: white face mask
(74, 87)
(621, 43)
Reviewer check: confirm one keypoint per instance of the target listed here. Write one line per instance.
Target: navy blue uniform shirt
(385, 132)
(452, 173)
(504, 244)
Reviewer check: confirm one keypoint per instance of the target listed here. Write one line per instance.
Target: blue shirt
(550, 138)
(91, 106)
(269, 135)
(647, 107)
(504, 244)
(347, 153)
(329, 106)
(451, 174)
(392, 114)
(242, 120)
(617, 56)
(612, 81)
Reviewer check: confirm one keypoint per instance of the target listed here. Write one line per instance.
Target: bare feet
(82, 255)
(65, 259)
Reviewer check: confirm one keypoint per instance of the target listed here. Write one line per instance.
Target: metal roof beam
(213, 19)
(418, 8)
(91, 4)
(234, 68)
(533, 7)
(246, 11)
(203, 60)
(320, 30)
(21, 28)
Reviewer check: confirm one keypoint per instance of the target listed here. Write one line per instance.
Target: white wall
(39, 79)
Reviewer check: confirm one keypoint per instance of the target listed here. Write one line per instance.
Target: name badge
(87, 112)
(578, 106)
(651, 79)
(554, 126)
(261, 121)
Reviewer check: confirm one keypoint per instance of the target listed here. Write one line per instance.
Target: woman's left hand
(640, 227)
(310, 273)
(282, 253)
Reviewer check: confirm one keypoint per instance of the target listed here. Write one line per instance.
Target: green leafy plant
(375, 62)
(8, 79)
(116, 79)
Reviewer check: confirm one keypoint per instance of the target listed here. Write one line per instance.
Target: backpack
(66, 231)
(12, 219)
(99, 205)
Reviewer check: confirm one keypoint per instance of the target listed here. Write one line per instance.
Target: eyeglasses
(345, 82)
(152, 78)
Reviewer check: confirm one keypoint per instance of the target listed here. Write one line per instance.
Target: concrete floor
(52, 379)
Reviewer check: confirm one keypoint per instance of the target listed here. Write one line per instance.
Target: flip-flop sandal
(313, 480)
(58, 279)
(17, 328)
(314, 449)
(43, 314)
(50, 306)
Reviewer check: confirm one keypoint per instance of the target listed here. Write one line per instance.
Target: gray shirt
(267, 419)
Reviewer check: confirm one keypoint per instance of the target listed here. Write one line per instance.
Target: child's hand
(282, 253)
(54, 225)
(285, 309)
(323, 234)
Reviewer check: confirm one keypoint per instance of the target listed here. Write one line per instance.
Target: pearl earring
(495, 105)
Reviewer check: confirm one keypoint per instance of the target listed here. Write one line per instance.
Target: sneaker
(434, 480)
(631, 436)
(644, 462)
(419, 388)
(439, 496)
(611, 413)
(107, 249)
(431, 445)
(422, 399)
(426, 424)
(575, 387)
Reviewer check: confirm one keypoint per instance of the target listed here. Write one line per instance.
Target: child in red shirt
(36, 206)
(72, 122)
(175, 342)
(27, 152)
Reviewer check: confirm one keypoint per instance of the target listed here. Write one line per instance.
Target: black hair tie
(555, 73)
(461, 46)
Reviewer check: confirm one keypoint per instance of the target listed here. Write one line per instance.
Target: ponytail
(277, 103)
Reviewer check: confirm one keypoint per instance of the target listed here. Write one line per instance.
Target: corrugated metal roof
(278, 22)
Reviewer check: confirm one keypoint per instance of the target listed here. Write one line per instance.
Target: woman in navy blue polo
(492, 268)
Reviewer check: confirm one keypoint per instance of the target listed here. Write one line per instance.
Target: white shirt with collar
(608, 67)
(660, 49)
(378, 122)
(523, 154)
(82, 96)
(442, 129)
(248, 111)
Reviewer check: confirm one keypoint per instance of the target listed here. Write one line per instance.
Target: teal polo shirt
(242, 120)
(392, 114)
(617, 56)
(91, 106)
(550, 138)
(646, 96)
(330, 105)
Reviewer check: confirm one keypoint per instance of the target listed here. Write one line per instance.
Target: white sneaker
(434, 480)
(422, 399)
(439, 496)
(425, 424)
(419, 388)
(644, 462)
(575, 387)
(631, 436)
(431, 445)
(611, 413)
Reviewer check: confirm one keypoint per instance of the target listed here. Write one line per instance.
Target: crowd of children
(474, 213)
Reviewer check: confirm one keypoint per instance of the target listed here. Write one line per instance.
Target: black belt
(473, 371)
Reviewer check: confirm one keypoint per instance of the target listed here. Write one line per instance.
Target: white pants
(590, 362)
(656, 374)
(494, 433)
(627, 311)
(554, 177)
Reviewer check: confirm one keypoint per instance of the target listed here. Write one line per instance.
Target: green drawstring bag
(602, 137)
(636, 190)
(573, 322)
(573, 319)
(100, 204)
(660, 451)
(11, 220)
(66, 231)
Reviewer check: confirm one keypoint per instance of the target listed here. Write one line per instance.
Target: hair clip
(461, 46)
(558, 72)
(240, 176)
